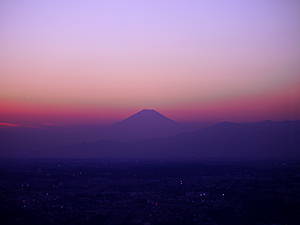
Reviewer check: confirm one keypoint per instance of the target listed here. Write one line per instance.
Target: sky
(86, 61)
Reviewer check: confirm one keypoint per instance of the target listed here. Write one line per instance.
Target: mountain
(147, 119)
(144, 124)
(148, 134)
(224, 141)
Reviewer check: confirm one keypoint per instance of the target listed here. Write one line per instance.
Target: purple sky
(191, 60)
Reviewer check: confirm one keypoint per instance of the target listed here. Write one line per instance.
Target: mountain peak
(145, 124)
(148, 111)
(148, 116)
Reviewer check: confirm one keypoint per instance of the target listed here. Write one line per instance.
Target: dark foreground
(89, 192)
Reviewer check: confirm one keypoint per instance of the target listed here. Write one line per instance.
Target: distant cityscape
(145, 193)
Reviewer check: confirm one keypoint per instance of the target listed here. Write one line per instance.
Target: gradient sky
(211, 60)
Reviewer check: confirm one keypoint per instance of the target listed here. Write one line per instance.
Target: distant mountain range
(149, 134)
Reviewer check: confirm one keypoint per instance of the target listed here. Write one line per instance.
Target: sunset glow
(100, 61)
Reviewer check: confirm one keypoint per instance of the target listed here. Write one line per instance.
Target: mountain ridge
(258, 140)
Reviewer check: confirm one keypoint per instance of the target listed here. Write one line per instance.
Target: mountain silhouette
(148, 135)
(145, 124)
(148, 118)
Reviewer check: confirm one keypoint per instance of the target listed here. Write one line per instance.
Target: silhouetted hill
(144, 124)
(147, 118)
(261, 140)
(232, 141)
(239, 141)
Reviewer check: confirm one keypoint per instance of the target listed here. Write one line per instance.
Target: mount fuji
(145, 124)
